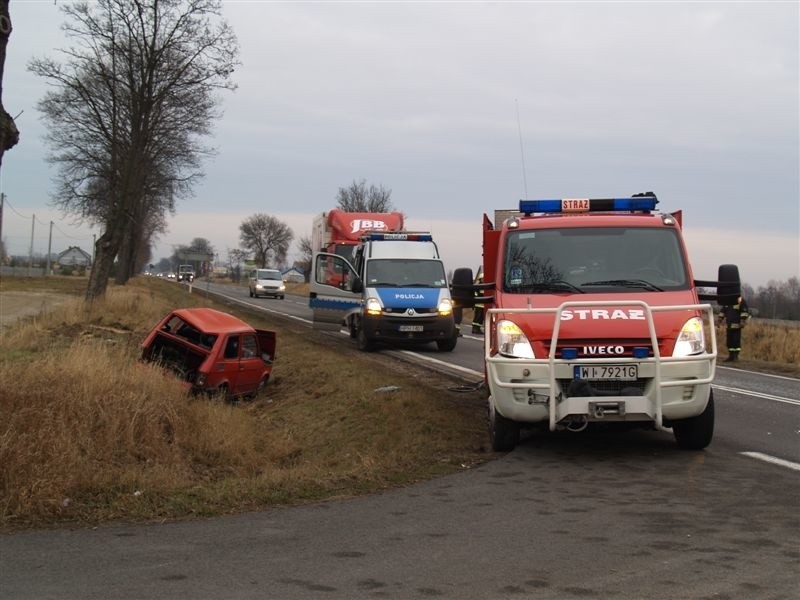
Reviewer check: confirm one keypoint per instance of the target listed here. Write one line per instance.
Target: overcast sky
(696, 101)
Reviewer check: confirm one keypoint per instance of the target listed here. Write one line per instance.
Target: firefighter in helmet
(735, 318)
(477, 315)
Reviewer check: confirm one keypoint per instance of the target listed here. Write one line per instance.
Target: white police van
(393, 290)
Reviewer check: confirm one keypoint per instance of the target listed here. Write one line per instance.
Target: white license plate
(407, 328)
(607, 372)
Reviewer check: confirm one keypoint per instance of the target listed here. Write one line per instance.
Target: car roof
(212, 321)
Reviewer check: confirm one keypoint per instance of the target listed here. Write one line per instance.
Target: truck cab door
(335, 291)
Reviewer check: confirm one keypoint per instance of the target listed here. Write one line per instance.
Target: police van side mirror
(728, 284)
(358, 285)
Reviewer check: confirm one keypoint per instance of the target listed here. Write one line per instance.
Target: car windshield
(404, 272)
(583, 260)
(264, 274)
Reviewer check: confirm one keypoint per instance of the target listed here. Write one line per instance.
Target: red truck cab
(212, 351)
(594, 316)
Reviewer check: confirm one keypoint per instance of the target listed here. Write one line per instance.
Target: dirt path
(16, 305)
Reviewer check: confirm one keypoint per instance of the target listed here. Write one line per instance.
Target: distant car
(267, 282)
(170, 275)
(212, 351)
(186, 273)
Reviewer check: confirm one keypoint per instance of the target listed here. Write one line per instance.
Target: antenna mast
(521, 151)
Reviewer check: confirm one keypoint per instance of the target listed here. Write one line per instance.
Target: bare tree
(265, 236)
(9, 135)
(128, 110)
(306, 254)
(357, 197)
(235, 259)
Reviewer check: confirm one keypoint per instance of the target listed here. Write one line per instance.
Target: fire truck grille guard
(563, 396)
(603, 388)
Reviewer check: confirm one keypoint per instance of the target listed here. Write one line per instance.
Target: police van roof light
(644, 203)
(403, 236)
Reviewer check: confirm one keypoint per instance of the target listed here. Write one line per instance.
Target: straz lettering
(367, 225)
(600, 314)
(409, 297)
(574, 205)
(602, 350)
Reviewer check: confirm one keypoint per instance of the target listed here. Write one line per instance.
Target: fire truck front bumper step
(607, 408)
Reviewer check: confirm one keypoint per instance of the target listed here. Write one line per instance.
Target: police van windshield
(403, 272)
(600, 259)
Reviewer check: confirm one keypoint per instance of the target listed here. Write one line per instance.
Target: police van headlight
(511, 341)
(445, 307)
(373, 306)
(692, 339)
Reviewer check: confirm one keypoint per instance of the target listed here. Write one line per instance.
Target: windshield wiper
(558, 285)
(637, 283)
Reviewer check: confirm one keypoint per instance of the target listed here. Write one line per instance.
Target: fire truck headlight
(445, 307)
(511, 341)
(373, 306)
(691, 340)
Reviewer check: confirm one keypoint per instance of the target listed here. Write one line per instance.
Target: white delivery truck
(394, 291)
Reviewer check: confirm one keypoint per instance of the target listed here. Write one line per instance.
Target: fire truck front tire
(695, 433)
(503, 433)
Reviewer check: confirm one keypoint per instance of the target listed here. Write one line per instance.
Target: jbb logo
(367, 225)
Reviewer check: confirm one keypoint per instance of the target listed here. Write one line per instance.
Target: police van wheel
(364, 343)
(447, 345)
(503, 433)
(695, 433)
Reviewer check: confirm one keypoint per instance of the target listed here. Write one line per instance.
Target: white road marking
(759, 373)
(757, 394)
(773, 460)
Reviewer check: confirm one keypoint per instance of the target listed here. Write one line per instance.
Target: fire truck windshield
(596, 259)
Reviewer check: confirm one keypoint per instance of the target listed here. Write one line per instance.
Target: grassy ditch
(89, 434)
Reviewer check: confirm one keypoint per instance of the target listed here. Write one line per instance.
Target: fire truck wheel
(364, 343)
(503, 433)
(696, 433)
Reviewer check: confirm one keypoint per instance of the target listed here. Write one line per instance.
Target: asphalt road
(590, 515)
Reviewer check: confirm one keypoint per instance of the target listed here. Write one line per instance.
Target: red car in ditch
(212, 351)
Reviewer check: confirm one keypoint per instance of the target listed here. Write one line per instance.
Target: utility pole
(2, 201)
(49, 247)
(30, 252)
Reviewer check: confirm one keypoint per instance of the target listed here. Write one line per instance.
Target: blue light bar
(641, 352)
(577, 205)
(411, 237)
(569, 353)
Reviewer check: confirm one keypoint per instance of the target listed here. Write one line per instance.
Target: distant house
(294, 275)
(74, 257)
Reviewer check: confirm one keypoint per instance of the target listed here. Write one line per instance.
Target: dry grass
(89, 434)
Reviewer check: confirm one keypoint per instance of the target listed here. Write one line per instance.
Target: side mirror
(728, 285)
(358, 285)
(462, 289)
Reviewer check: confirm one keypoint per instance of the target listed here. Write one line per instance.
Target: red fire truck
(594, 316)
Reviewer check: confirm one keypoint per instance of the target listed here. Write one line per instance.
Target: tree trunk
(105, 251)
(9, 134)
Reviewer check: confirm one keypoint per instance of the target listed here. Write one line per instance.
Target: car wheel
(223, 391)
(281, 296)
(251, 293)
(363, 342)
(503, 433)
(261, 386)
(695, 433)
